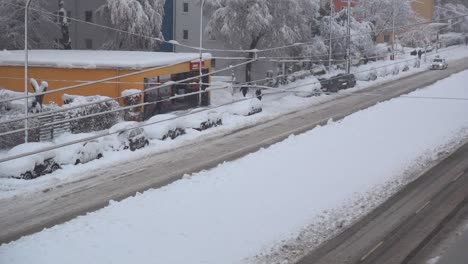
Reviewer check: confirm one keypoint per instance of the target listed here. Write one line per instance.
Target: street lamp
(201, 55)
(28, 2)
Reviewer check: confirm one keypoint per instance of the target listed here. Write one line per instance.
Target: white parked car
(31, 166)
(309, 89)
(439, 64)
(78, 153)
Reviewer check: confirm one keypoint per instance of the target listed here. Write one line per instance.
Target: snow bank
(239, 209)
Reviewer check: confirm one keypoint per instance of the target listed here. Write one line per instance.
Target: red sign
(196, 65)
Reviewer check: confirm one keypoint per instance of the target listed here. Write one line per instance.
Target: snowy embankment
(273, 105)
(241, 210)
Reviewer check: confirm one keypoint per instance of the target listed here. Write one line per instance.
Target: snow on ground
(273, 106)
(238, 211)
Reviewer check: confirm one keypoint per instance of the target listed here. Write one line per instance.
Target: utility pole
(26, 60)
(393, 29)
(348, 44)
(331, 35)
(201, 55)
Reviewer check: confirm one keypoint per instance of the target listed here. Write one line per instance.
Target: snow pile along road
(243, 208)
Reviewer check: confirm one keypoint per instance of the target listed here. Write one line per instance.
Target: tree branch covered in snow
(259, 24)
(141, 17)
(40, 25)
(381, 13)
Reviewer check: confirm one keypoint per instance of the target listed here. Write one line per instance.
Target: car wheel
(132, 147)
(55, 167)
(78, 161)
(27, 176)
(99, 156)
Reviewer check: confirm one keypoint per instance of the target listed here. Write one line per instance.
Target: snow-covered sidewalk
(245, 208)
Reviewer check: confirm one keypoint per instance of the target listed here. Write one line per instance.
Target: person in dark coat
(420, 54)
(244, 90)
(258, 93)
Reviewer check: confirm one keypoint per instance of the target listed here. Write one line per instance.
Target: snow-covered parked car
(128, 136)
(164, 126)
(201, 119)
(31, 166)
(83, 152)
(246, 107)
(439, 63)
(366, 73)
(313, 88)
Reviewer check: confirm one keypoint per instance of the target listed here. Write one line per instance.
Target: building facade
(87, 36)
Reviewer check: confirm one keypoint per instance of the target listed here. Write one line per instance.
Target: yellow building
(65, 68)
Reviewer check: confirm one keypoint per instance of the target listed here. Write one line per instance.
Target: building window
(185, 34)
(88, 43)
(89, 16)
(185, 7)
(386, 38)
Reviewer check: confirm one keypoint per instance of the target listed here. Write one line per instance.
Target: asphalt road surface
(398, 229)
(24, 215)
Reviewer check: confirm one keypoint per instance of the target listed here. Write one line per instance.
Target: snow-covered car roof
(90, 59)
(67, 155)
(18, 166)
(122, 126)
(161, 126)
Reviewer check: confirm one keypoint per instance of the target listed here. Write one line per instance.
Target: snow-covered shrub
(93, 123)
(11, 140)
(132, 97)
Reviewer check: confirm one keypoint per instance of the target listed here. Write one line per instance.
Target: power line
(228, 50)
(290, 89)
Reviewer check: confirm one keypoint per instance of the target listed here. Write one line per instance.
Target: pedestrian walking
(244, 90)
(420, 54)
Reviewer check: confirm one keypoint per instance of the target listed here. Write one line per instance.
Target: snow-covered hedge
(94, 123)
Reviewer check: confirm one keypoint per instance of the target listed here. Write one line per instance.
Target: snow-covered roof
(90, 59)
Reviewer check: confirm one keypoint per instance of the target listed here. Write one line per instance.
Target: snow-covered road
(244, 208)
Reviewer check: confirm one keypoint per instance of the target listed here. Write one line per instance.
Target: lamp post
(201, 55)
(26, 110)
(331, 29)
(348, 61)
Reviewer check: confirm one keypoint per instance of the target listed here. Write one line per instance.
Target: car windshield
(438, 60)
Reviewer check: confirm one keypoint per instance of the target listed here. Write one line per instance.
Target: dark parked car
(31, 166)
(339, 82)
